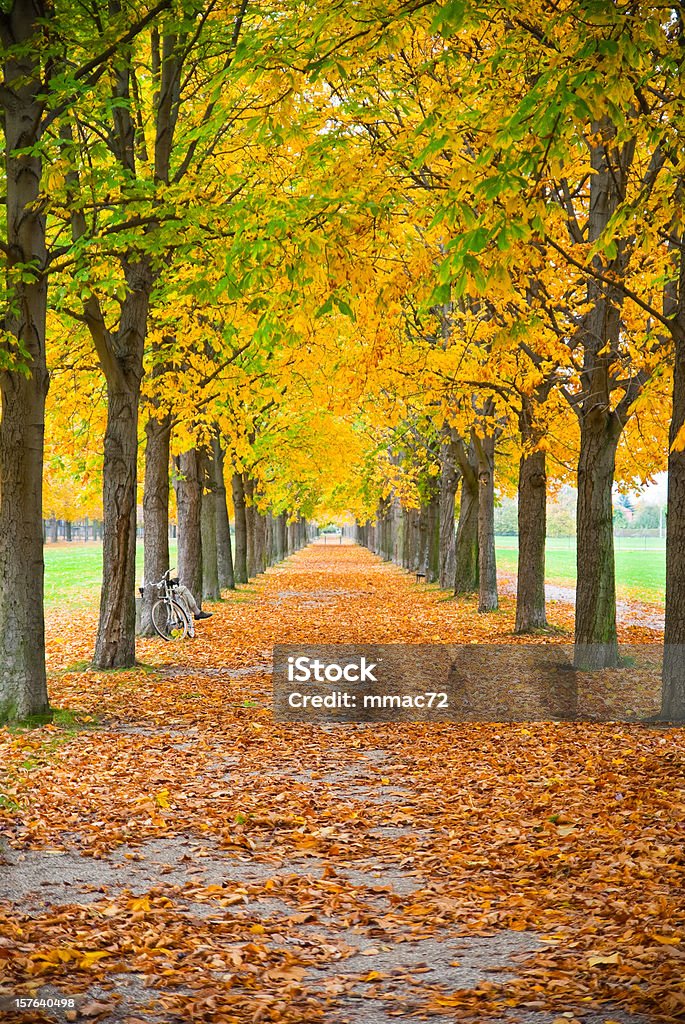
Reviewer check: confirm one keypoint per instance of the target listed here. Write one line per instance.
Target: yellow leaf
(140, 903)
(597, 961)
(667, 940)
(88, 959)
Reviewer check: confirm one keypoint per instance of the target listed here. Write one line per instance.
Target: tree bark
(260, 541)
(23, 687)
(487, 567)
(282, 535)
(449, 481)
(270, 539)
(596, 644)
(155, 514)
(120, 354)
(115, 645)
(188, 486)
(673, 677)
(240, 564)
(224, 551)
(210, 567)
(532, 529)
(251, 532)
(466, 576)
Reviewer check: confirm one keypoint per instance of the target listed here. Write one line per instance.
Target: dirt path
(173, 854)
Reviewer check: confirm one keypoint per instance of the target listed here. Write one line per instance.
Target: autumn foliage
(240, 863)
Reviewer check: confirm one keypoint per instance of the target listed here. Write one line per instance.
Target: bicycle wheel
(169, 619)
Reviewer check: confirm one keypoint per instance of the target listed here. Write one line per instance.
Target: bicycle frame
(170, 593)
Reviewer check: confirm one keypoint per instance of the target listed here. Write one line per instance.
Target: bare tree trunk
(282, 534)
(532, 520)
(23, 687)
(210, 568)
(121, 357)
(596, 644)
(270, 539)
(466, 577)
(155, 514)
(250, 519)
(115, 645)
(240, 564)
(433, 538)
(673, 680)
(487, 567)
(188, 486)
(449, 481)
(260, 541)
(224, 551)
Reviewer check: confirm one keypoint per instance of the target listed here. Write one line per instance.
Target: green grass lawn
(73, 572)
(640, 564)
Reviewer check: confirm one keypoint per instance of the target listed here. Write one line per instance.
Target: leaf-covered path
(172, 854)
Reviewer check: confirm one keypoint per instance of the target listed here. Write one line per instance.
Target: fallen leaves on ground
(572, 832)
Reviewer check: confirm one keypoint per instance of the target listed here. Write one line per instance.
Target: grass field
(640, 564)
(73, 572)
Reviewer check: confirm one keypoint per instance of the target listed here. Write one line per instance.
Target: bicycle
(170, 617)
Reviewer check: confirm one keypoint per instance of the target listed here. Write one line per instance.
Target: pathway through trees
(180, 856)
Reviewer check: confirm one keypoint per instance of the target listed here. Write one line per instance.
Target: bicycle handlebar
(165, 579)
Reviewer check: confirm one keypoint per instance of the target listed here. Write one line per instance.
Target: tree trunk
(23, 687)
(240, 564)
(121, 357)
(532, 521)
(487, 567)
(432, 565)
(224, 552)
(427, 524)
(270, 523)
(466, 576)
(210, 568)
(155, 514)
(449, 480)
(115, 645)
(596, 644)
(188, 486)
(250, 519)
(673, 678)
(260, 560)
(282, 535)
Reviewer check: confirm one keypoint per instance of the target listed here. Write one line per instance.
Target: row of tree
(366, 253)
